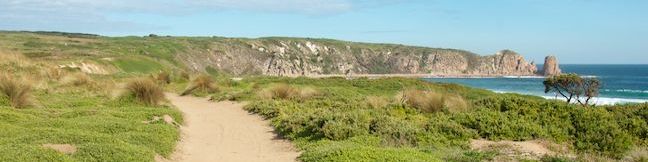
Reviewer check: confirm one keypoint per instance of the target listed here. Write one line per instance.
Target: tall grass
(455, 103)
(79, 79)
(283, 91)
(202, 83)
(145, 91)
(54, 73)
(163, 78)
(17, 92)
(426, 101)
(376, 102)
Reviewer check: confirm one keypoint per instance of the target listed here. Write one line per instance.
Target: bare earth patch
(522, 149)
(62, 148)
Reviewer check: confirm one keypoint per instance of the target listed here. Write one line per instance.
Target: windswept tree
(573, 88)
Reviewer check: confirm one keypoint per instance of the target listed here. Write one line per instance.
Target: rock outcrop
(551, 67)
(297, 57)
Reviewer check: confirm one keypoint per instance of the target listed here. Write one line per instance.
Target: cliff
(294, 57)
(263, 56)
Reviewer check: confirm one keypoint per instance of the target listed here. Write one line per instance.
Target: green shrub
(347, 124)
(396, 132)
(362, 148)
(596, 130)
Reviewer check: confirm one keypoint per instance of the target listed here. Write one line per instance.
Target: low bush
(16, 92)
(347, 124)
(145, 91)
(363, 149)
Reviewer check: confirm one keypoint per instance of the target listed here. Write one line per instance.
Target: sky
(576, 31)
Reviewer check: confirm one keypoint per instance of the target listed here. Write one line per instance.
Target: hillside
(269, 56)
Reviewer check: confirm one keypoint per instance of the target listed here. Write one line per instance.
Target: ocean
(620, 83)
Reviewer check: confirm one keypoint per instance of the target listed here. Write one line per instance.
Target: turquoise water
(621, 83)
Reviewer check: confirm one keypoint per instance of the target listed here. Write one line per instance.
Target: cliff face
(294, 57)
(551, 67)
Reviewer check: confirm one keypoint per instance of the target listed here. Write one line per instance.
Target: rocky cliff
(294, 57)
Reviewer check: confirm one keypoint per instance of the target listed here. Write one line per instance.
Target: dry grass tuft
(163, 78)
(78, 79)
(283, 91)
(425, 101)
(202, 83)
(14, 58)
(308, 93)
(455, 103)
(145, 91)
(376, 102)
(184, 75)
(17, 92)
(637, 154)
(54, 73)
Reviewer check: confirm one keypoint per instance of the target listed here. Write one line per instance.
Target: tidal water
(620, 83)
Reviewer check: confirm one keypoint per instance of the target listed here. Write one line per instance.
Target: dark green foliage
(593, 130)
(573, 87)
(596, 130)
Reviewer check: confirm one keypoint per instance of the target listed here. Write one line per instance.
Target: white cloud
(99, 14)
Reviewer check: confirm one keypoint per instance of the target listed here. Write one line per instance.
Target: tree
(573, 87)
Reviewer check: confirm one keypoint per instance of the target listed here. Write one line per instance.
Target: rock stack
(551, 66)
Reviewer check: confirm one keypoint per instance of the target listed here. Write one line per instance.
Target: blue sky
(577, 31)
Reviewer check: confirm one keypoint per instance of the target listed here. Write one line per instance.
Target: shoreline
(413, 76)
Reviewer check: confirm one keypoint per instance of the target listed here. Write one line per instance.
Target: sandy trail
(225, 132)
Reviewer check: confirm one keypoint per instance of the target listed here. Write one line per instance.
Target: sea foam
(597, 100)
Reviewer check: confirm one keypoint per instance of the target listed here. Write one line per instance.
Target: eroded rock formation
(551, 66)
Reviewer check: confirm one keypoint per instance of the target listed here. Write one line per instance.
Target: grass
(16, 92)
(426, 101)
(145, 91)
(75, 110)
(101, 129)
(200, 84)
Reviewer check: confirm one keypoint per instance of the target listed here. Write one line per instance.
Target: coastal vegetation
(104, 109)
(343, 124)
(54, 114)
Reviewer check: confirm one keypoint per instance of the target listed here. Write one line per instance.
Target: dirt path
(225, 132)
